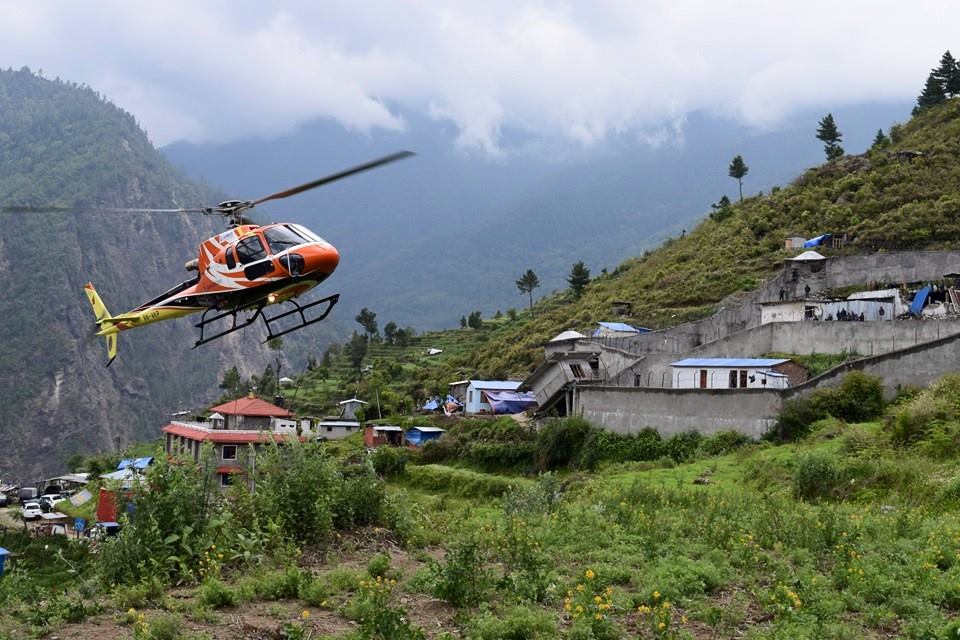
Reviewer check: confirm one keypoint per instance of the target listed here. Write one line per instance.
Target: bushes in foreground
(857, 399)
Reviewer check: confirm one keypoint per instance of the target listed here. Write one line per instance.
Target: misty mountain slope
(439, 235)
(64, 144)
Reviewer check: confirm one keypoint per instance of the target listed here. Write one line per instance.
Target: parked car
(31, 510)
(49, 500)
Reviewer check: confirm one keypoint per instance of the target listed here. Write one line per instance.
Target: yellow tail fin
(103, 317)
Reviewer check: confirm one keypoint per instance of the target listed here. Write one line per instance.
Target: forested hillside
(63, 144)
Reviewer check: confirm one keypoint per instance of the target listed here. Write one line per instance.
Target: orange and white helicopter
(242, 270)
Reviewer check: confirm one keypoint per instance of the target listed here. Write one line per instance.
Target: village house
(737, 373)
(231, 428)
(496, 396)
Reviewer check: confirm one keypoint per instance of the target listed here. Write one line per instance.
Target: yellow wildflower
(589, 574)
(304, 615)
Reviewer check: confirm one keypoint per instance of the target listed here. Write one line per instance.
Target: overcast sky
(580, 71)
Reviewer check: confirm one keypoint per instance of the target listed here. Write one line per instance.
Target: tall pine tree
(738, 169)
(948, 73)
(830, 136)
(579, 278)
(527, 283)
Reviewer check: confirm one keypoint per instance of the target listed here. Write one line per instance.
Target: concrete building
(348, 408)
(336, 428)
(737, 373)
(241, 424)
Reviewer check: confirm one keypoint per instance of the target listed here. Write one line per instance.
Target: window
(743, 378)
(733, 379)
(329, 428)
(251, 249)
(228, 452)
(231, 261)
(577, 371)
(226, 479)
(470, 399)
(281, 238)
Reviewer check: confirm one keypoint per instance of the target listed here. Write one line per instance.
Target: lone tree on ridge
(830, 136)
(738, 169)
(579, 278)
(527, 283)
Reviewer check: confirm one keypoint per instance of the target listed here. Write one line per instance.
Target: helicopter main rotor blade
(335, 176)
(28, 209)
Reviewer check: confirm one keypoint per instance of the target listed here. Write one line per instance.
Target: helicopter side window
(231, 261)
(251, 249)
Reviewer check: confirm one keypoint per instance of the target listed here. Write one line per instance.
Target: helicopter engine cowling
(192, 265)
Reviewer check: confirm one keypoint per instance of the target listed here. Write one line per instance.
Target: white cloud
(579, 71)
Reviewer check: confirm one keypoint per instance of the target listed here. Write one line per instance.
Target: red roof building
(233, 428)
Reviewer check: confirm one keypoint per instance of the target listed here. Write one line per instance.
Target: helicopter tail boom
(103, 318)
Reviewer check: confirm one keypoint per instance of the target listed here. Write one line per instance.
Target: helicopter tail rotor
(103, 317)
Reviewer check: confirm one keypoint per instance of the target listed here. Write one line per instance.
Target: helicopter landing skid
(237, 323)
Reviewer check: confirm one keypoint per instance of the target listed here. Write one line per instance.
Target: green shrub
(676, 576)
(560, 443)
(461, 579)
(390, 462)
(137, 596)
(214, 593)
(278, 584)
(376, 618)
(313, 591)
(516, 623)
(379, 565)
(795, 419)
(817, 476)
(163, 627)
(858, 398)
(359, 498)
(722, 443)
(683, 446)
(460, 482)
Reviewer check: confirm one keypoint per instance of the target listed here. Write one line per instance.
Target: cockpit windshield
(281, 237)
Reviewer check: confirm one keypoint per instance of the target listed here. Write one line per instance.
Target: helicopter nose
(323, 259)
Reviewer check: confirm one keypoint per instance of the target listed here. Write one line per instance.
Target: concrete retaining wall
(671, 411)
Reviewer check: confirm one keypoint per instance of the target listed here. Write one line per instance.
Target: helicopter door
(252, 252)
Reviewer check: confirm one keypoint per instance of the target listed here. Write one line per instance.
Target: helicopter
(245, 269)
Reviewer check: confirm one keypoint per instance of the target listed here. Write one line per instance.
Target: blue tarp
(510, 401)
(919, 300)
(435, 404)
(816, 242)
(136, 463)
(416, 436)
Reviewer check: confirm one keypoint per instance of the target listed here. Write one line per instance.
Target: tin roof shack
(417, 436)
(477, 401)
(378, 435)
(247, 422)
(458, 390)
(617, 330)
(737, 373)
(335, 428)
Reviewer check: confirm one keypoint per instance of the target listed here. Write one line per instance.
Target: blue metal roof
(622, 326)
(496, 385)
(729, 362)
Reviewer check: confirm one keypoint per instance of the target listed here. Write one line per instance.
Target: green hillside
(877, 199)
(880, 200)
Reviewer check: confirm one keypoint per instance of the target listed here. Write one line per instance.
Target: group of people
(845, 316)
